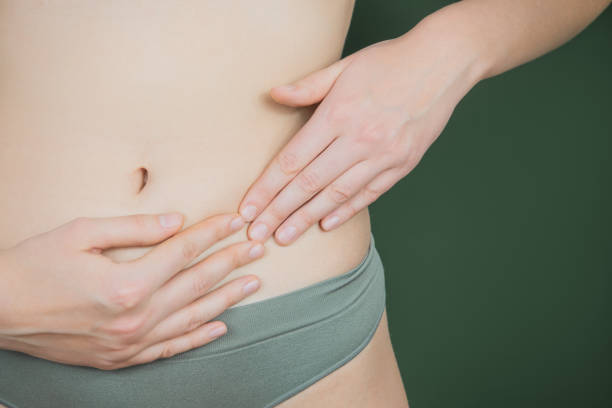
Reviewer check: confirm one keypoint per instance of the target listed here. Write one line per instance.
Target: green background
(497, 247)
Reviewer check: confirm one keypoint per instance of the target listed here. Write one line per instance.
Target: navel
(142, 178)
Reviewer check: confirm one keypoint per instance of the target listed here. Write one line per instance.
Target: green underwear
(274, 348)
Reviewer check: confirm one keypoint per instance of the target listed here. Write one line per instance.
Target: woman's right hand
(62, 300)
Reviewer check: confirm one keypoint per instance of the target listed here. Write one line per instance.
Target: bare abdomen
(96, 95)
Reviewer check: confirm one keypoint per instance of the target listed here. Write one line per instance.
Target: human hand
(64, 301)
(381, 108)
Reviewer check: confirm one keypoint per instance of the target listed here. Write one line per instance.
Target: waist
(47, 183)
(97, 94)
(329, 323)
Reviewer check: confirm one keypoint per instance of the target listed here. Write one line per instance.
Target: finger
(126, 230)
(168, 258)
(203, 310)
(334, 160)
(196, 338)
(334, 195)
(196, 281)
(366, 196)
(312, 88)
(307, 143)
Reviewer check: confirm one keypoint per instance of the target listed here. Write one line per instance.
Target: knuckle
(110, 361)
(307, 217)
(213, 227)
(371, 193)
(370, 132)
(350, 209)
(275, 213)
(140, 221)
(200, 285)
(222, 229)
(405, 168)
(226, 298)
(339, 113)
(130, 351)
(338, 193)
(309, 181)
(288, 163)
(412, 160)
(168, 350)
(192, 343)
(226, 260)
(407, 158)
(113, 347)
(121, 354)
(189, 249)
(109, 344)
(393, 159)
(126, 295)
(124, 330)
(106, 365)
(214, 230)
(406, 152)
(194, 321)
(236, 258)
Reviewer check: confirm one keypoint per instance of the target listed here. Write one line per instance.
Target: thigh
(371, 379)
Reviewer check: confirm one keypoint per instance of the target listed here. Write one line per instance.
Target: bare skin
(115, 111)
(84, 309)
(85, 106)
(93, 94)
(380, 108)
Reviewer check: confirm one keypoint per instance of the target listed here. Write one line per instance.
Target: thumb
(127, 230)
(312, 88)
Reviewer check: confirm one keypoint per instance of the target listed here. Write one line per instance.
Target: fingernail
(289, 87)
(237, 223)
(286, 234)
(249, 212)
(170, 220)
(259, 231)
(256, 251)
(218, 331)
(250, 287)
(330, 222)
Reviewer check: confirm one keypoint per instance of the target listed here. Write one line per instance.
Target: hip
(274, 349)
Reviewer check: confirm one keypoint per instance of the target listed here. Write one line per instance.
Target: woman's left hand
(381, 108)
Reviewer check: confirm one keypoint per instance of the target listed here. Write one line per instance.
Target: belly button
(142, 175)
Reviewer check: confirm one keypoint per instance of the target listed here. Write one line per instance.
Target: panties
(274, 348)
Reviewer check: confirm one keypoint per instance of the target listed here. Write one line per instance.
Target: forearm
(502, 34)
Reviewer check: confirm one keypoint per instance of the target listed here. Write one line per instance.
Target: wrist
(452, 28)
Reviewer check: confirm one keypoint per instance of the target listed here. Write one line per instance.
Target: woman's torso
(91, 91)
